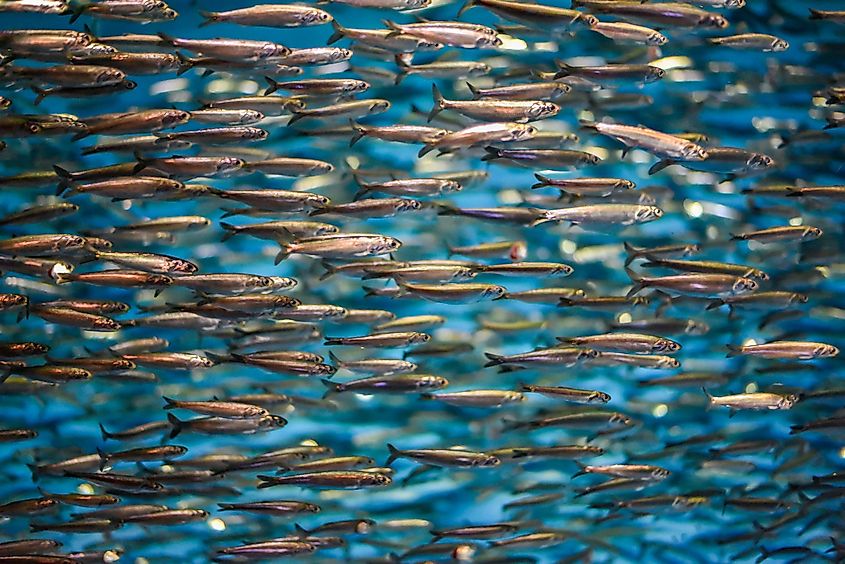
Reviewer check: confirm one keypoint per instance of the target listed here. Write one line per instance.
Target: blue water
(741, 99)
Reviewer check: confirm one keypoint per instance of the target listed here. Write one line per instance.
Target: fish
(270, 15)
(443, 457)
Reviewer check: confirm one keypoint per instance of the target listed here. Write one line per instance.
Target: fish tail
(494, 359)
(282, 255)
(335, 360)
(104, 458)
(208, 18)
(168, 39)
(331, 270)
(220, 358)
(733, 350)
(40, 94)
(715, 304)
(301, 531)
(425, 150)
(582, 469)
(231, 230)
(584, 124)
(816, 14)
(266, 481)
(62, 173)
(492, 153)
(142, 163)
(543, 181)
(659, 165)
(394, 454)
(439, 103)
(185, 64)
(359, 132)
(105, 434)
(170, 403)
(297, 115)
(331, 387)
(176, 423)
(392, 25)
(79, 10)
(272, 85)
(476, 93)
(831, 123)
(468, 5)
(337, 34)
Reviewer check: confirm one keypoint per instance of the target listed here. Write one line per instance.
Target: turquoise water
(745, 99)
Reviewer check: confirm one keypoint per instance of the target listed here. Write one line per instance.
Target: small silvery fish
(754, 401)
(270, 15)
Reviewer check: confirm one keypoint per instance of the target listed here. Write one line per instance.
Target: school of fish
(422, 281)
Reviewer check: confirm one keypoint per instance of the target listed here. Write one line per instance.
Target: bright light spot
(751, 388)
(842, 452)
(362, 397)
(141, 560)
(512, 43)
(309, 442)
(676, 62)
(568, 246)
(165, 86)
(796, 221)
(625, 318)
(85, 489)
(693, 209)
(111, 556)
(217, 524)
(510, 197)
(749, 342)
(353, 162)
(660, 410)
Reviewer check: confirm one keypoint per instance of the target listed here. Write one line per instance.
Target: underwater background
(736, 483)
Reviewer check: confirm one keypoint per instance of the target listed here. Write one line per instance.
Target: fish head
(647, 213)
(70, 242)
(542, 109)
(129, 85)
(479, 69)
(488, 41)
(522, 132)
(226, 164)
(787, 401)
(493, 291)
(273, 421)
(744, 285)
(414, 4)
(598, 397)
(714, 20)
(588, 20)
(382, 479)
(665, 345)
(59, 268)
(181, 266)
(110, 76)
(588, 353)
(420, 338)
(734, 4)
(408, 205)
(759, 161)
(423, 45)
(352, 86)
(364, 526)
(465, 272)
(388, 244)
(660, 473)
(97, 50)
(668, 362)
(338, 55)
(433, 382)
(623, 184)
(693, 152)
(250, 116)
(379, 106)
(825, 350)
(450, 186)
(779, 45)
(5, 103)
(490, 460)
(318, 200)
(797, 298)
(654, 73)
(657, 38)
(293, 104)
(620, 419)
(692, 249)
(106, 324)
(812, 233)
(315, 17)
(122, 364)
(158, 280)
(255, 133)
(34, 128)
